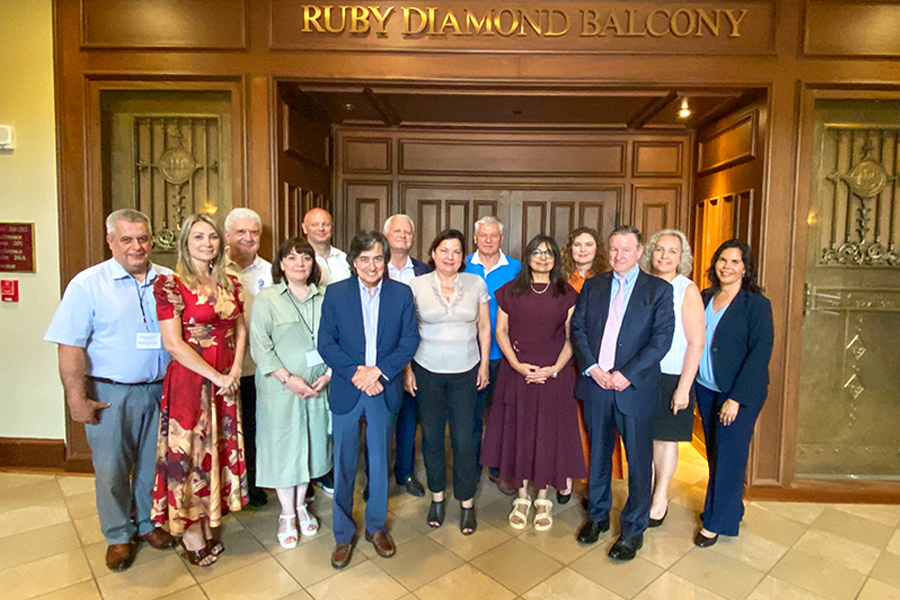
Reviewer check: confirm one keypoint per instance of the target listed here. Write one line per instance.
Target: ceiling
(651, 109)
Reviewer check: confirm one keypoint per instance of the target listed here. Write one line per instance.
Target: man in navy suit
(621, 328)
(367, 335)
(400, 232)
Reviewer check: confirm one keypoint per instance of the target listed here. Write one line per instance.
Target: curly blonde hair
(687, 259)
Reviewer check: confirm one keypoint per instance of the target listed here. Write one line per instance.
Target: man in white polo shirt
(243, 228)
(333, 262)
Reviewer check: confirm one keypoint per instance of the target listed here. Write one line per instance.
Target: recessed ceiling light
(348, 107)
(685, 111)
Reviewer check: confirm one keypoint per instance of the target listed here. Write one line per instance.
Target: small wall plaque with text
(17, 247)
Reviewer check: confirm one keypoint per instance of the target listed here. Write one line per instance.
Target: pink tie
(613, 325)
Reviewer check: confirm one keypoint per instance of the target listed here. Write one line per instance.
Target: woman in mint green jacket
(293, 420)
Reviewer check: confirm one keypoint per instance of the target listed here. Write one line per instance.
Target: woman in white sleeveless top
(668, 256)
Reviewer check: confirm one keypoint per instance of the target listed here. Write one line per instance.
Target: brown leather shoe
(120, 556)
(505, 486)
(342, 554)
(159, 538)
(384, 544)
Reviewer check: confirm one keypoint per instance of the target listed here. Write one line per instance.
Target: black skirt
(666, 426)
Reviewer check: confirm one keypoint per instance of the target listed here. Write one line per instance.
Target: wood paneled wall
(841, 47)
(533, 182)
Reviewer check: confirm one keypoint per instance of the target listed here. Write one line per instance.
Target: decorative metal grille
(863, 189)
(176, 170)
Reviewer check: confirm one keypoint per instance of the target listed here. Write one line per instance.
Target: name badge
(313, 359)
(149, 341)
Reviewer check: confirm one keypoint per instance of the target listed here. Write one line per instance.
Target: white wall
(31, 398)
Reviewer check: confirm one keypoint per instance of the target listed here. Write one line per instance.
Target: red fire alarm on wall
(9, 290)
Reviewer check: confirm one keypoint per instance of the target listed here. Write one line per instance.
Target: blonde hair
(184, 268)
(687, 259)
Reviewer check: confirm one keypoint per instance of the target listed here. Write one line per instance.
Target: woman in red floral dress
(200, 468)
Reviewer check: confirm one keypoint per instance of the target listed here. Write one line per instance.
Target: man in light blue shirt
(496, 268)
(112, 363)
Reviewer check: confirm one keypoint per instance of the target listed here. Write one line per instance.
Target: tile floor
(51, 548)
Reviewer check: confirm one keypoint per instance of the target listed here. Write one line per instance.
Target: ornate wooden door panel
(558, 212)
(441, 207)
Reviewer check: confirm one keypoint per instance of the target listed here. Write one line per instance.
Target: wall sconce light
(685, 111)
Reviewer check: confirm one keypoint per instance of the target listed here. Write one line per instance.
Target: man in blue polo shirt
(112, 363)
(496, 268)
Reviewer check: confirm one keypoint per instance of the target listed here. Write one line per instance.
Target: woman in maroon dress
(532, 434)
(200, 468)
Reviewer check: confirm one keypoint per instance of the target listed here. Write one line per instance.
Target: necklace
(547, 287)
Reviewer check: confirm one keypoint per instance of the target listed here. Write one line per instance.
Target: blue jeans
(123, 452)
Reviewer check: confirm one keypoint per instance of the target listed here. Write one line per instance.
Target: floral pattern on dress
(200, 466)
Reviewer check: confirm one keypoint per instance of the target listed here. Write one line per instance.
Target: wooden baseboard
(32, 453)
(830, 491)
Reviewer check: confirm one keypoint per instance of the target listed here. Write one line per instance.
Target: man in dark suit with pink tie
(621, 328)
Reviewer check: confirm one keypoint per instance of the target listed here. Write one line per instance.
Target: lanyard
(140, 294)
(312, 330)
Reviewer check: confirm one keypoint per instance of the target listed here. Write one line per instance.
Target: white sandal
(521, 515)
(289, 538)
(546, 516)
(309, 525)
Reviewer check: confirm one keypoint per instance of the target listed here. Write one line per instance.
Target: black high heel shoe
(436, 513)
(467, 520)
(563, 498)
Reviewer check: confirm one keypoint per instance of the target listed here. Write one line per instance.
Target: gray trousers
(123, 451)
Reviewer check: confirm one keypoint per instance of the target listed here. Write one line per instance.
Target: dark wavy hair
(748, 282)
(522, 283)
(448, 234)
(366, 240)
(600, 264)
(299, 245)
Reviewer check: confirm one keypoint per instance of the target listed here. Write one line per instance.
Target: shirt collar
(253, 265)
(363, 289)
(502, 261)
(119, 272)
(630, 276)
(282, 288)
(408, 265)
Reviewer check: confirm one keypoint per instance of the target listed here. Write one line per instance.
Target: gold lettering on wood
(683, 22)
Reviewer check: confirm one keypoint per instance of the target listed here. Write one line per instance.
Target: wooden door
(533, 182)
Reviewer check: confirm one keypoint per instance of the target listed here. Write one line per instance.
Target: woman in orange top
(584, 256)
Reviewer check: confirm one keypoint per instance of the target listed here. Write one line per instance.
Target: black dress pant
(248, 418)
(448, 398)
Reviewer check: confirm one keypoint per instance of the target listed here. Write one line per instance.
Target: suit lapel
(603, 309)
(635, 296)
(382, 306)
(355, 307)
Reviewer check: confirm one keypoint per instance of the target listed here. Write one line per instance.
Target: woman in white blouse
(668, 256)
(449, 368)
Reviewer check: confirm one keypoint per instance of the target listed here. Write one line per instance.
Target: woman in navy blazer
(732, 382)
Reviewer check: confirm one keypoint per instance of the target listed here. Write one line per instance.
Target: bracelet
(286, 379)
(555, 373)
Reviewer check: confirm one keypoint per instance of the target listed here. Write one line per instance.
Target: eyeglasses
(542, 253)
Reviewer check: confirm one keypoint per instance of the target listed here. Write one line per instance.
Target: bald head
(317, 227)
